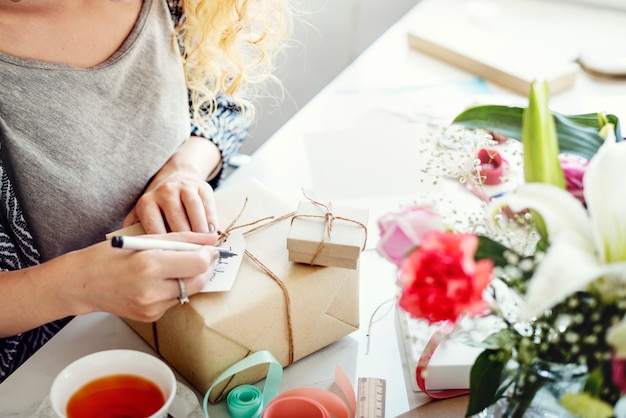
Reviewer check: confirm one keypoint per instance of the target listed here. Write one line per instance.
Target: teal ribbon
(244, 401)
(247, 401)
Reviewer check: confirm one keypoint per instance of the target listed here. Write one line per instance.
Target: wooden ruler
(371, 397)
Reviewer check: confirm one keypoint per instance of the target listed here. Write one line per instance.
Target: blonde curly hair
(228, 46)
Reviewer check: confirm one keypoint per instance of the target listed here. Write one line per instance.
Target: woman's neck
(81, 33)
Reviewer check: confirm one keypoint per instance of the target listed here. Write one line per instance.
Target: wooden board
(511, 57)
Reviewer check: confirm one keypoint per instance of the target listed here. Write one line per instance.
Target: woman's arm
(139, 285)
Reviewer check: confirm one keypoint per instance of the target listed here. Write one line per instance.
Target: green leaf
(590, 120)
(595, 382)
(576, 134)
(618, 130)
(489, 248)
(579, 134)
(485, 379)
(502, 340)
(505, 120)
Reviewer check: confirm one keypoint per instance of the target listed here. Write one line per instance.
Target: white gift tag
(226, 268)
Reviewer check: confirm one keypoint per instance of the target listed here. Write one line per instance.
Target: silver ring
(183, 298)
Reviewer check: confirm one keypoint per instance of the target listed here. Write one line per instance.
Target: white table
(382, 96)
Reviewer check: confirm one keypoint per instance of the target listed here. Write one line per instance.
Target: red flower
(441, 280)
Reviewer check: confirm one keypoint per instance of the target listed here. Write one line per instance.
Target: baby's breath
(571, 333)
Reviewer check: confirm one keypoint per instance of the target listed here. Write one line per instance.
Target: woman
(112, 113)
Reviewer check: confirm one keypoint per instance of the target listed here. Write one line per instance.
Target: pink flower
(492, 166)
(402, 231)
(574, 169)
(619, 374)
(441, 280)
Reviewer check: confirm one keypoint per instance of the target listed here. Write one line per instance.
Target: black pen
(142, 243)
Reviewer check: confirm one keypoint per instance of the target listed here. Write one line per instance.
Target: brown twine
(271, 220)
(287, 303)
(259, 225)
(223, 236)
(329, 219)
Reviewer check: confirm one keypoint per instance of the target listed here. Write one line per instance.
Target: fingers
(150, 216)
(139, 285)
(183, 206)
(183, 297)
(174, 264)
(198, 208)
(187, 287)
(209, 209)
(130, 219)
(189, 236)
(152, 285)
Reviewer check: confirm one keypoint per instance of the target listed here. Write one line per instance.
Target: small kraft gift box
(327, 234)
(289, 309)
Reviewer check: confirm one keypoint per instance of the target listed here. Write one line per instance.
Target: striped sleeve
(18, 251)
(228, 126)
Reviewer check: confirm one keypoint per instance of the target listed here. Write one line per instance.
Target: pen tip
(117, 242)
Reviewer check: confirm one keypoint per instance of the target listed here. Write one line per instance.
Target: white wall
(327, 37)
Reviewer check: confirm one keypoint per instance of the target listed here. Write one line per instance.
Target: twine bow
(329, 219)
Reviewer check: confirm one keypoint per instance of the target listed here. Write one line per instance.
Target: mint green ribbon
(247, 401)
(244, 401)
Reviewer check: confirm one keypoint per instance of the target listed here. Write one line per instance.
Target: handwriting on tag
(226, 268)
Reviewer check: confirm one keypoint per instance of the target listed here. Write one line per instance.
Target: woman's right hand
(139, 285)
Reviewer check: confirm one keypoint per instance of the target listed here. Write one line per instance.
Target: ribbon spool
(244, 401)
(248, 401)
(291, 407)
(314, 402)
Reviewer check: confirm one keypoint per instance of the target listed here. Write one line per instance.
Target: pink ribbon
(422, 364)
(314, 402)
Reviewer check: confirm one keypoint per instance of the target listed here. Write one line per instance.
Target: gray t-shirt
(81, 144)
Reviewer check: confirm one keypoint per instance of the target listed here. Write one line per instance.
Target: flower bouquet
(548, 262)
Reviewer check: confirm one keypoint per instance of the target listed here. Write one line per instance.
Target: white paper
(226, 269)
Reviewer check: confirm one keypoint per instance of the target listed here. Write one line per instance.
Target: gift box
(327, 235)
(452, 359)
(289, 309)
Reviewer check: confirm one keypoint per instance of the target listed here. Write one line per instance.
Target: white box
(451, 363)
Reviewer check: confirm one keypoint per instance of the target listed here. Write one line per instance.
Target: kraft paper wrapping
(215, 330)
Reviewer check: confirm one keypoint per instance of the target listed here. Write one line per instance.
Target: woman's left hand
(179, 198)
(175, 204)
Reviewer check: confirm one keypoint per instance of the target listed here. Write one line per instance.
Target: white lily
(585, 245)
